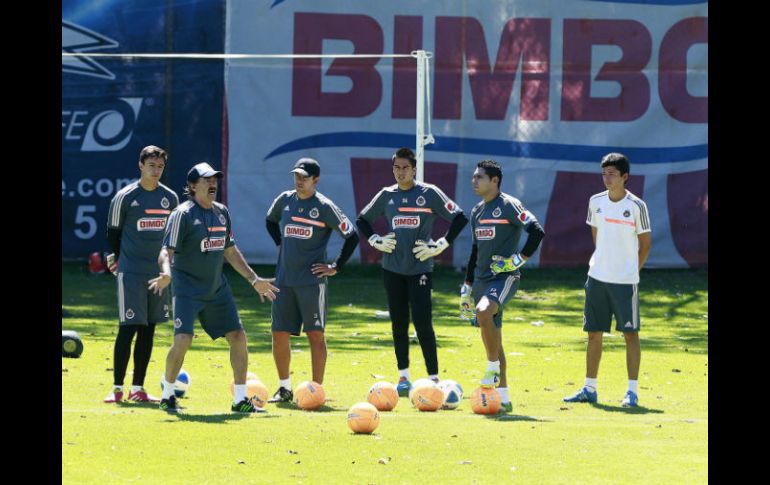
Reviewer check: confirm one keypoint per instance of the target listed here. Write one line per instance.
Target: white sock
(633, 386)
(493, 365)
(504, 398)
(286, 383)
(168, 389)
(433, 377)
(592, 383)
(240, 392)
(404, 373)
(136, 388)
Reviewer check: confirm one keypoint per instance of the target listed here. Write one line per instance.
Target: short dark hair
(405, 153)
(151, 151)
(619, 161)
(492, 169)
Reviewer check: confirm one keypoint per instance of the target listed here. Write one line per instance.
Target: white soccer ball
(453, 393)
(181, 385)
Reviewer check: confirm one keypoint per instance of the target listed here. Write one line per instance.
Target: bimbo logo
(485, 233)
(411, 222)
(151, 224)
(300, 232)
(213, 244)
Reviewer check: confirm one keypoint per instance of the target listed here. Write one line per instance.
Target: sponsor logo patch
(411, 222)
(526, 216)
(151, 224)
(346, 227)
(485, 233)
(299, 232)
(450, 206)
(134, 204)
(212, 244)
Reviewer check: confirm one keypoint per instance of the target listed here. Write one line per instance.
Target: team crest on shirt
(212, 244)
(296, 231)
(408, 222)
(626, 213)
(177, 323)
(496, 212)
(151, 224)
(420, 201)
(526, 217)
(129, 314)
(485, 233)
(222, 219)
(164, 203)
(313, 213)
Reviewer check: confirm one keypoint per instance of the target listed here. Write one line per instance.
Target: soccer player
(197, 241)
(300, 221)
(620, 227)
(135, 224)
(493, 276)
(410, 207)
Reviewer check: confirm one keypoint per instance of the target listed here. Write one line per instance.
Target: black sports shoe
(169, 405)
(247, 406)
(282, 395)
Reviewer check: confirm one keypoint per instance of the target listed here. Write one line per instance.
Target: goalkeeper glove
(386, 243)
(425, 250)
(112, 263)
(506, 265)
(466, 303)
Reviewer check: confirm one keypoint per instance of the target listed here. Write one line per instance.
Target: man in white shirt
(620, 226)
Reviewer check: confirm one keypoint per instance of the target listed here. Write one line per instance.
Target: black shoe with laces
(170, 405)
(282, 395)
(247, 406)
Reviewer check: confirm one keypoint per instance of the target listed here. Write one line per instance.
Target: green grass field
(543, 441)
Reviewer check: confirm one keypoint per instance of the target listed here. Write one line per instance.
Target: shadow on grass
(219, 418)
(514, 417)
(621, 409)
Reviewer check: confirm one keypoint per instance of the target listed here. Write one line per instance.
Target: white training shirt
(618, 224)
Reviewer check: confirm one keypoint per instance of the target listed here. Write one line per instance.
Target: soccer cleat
(505, 407)
(403, 387)
(630, 400)
(169, 405)
(491, 379)
(282, 395)
(247, 406)
(583, 395)
(142, 396)
(115, 396)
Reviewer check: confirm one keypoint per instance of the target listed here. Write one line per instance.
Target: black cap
(307, 167)
(202, 170)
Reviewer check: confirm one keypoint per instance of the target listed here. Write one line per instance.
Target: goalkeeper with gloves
(410, 207)
(492, 277)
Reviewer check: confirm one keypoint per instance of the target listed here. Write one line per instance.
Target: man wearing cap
(197, 241)
(410, 207)
(135, 223)
(300, 221)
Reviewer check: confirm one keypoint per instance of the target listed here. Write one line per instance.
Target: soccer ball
(363, 418)
(309, 395)
(250, 376)
(427, 398)
(424, 382)
(181, 385)
(485, 400)
(453, 393)
(383, 396)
